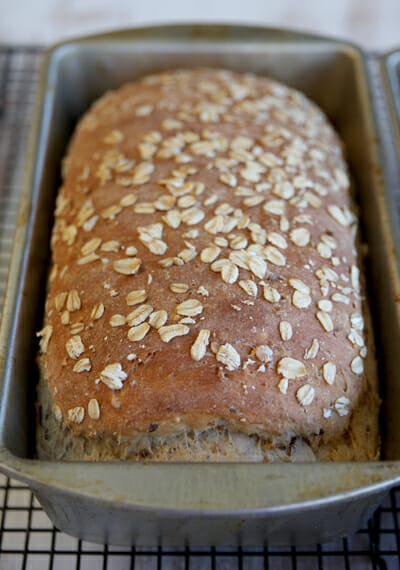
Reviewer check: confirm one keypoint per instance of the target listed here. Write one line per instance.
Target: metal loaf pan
(390, 69)
(198, 504)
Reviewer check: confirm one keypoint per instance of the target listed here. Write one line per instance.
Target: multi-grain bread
(204, 301)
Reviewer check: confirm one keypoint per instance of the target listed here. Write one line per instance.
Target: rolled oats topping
(205, 267)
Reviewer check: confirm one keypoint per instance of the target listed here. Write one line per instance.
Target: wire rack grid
(27, 537)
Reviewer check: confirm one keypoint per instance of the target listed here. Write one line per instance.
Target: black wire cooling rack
(27, 537)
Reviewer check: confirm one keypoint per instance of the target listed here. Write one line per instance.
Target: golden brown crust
(204, 266)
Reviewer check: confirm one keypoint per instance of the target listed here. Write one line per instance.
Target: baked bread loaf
(204, 301)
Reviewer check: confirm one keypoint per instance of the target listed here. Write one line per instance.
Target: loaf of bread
(205, 301)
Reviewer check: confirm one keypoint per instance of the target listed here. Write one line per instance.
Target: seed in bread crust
(139, 315)
(291, 368)
(76, 328)
(128, 200)
(249, 287)
(229, 273)
(131, 250)
(283, 385)
(88, 259)
(273, 255)
(264, 353)
(97, 311)
(301, 300)
(329, 372)
(305, 394)
(135, 297)
(45, 336)
(73, 301)
(179, 287)
(325, 305)
(76, 415)
(299, 286)
(138, 332)
(113, 137)
(277, 239)
(285, 330)
(276, 207)
(339, 298)
(300, 236)
(325, 320)
(210, 254)
(342, 406)
(127, 266)
(229, 356)
(93, 409)
(199, 347)
(312, 351)
(59, 300)
(57, 413)
(83, 365)
(338, 215)
(190, 308)
(271, 294)
(111, 245)
(257, 266)
(65, 318)
(110, 212)
(117, 320)
(113, 376)
(357, 365)
(75, 346)
(167, 333)
(158, 318)
(228, 178)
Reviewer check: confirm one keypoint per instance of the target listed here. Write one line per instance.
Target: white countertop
(373, 24)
